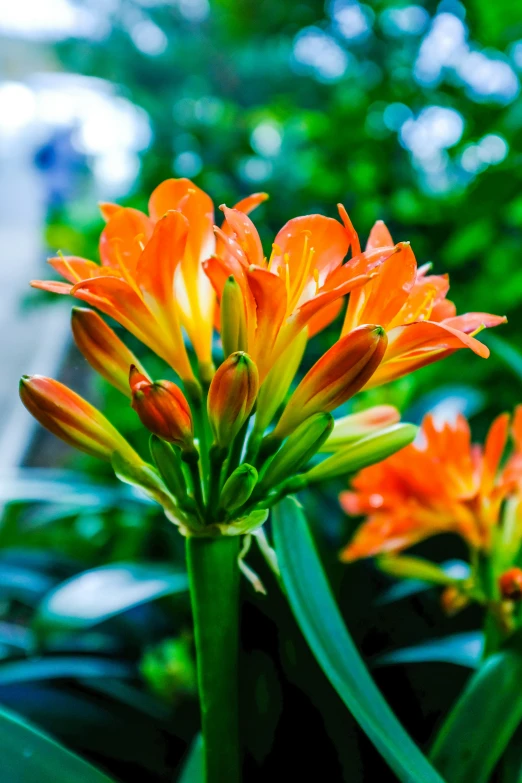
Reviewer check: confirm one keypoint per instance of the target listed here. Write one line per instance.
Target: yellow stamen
(276, 250)
(123, 269)
(69, 268)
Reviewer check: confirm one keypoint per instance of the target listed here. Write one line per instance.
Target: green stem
(236, 449)
(201, 431)
(214, 590)
(191, 460)
(217, 458)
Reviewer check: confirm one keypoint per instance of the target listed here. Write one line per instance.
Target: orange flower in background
(440, 483)
(151, 279)
(422, 325)
(300, 286)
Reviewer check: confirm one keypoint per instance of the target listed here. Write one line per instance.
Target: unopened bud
(233, 319)
(453, 600)
(337, 376)
(298, 449)
(238, 487)
(73, 419)
(355, 426)
(102, 348)
(231, 396)
(163, 409)
(510, 584)
(367, 451)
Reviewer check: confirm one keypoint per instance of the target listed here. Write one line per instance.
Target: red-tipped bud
(163, 409)
(453, 600)
(231, 396)
(510, 584)
(337, 376)
(102, 348)
(73, 419)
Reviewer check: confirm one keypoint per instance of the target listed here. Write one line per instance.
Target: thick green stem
(214, 589)
(217, 458)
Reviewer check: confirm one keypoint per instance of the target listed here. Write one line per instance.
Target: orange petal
(53, 286)
(324, 317)
(76, 269)
(471, 322)
(379, 236)
(493, 450)
(380, 300)
(250, 203)
(160, 258)
(123, 238)
(354, 238)
(326, 236)
(182, 195)
(102, 348)
(245, 233)
(108, 209)
(269, 295)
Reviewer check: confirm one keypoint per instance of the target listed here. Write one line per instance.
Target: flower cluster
(228, 443)
(443, 483)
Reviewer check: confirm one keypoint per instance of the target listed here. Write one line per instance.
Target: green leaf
(58, 667)
(192, 771)
(480, 725)
(27, 756)
(100, 593)
(319, 618)
(510, 355)
(463, 649)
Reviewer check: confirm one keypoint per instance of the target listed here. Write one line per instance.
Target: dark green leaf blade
(480, 725)
(27, 756)
(192, 771)
(317, 614)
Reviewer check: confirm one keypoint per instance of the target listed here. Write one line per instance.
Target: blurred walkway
(31, 339)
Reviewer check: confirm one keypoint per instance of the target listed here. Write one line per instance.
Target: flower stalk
(214, 591)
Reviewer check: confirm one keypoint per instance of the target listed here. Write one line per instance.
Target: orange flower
(421, 323)
(440, 483)
(300, 286)
(151, 278)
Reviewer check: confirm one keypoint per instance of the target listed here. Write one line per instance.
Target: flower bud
(367, 451)
(238, 487)
(338, 375)
(298, 449)
(231, 396)
(355, 426)
(163, 409)
(510, 584)
(453, 600)
(103, 349)
(73, 419)
(233, 319)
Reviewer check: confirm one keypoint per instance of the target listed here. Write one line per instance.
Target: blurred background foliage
(404, 112)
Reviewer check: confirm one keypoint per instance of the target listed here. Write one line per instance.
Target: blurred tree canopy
(405, 112)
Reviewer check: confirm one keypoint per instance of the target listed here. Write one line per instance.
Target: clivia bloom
(151, 278)
(440, 483)
(161, 276)
(300, 286)
(421, 324)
